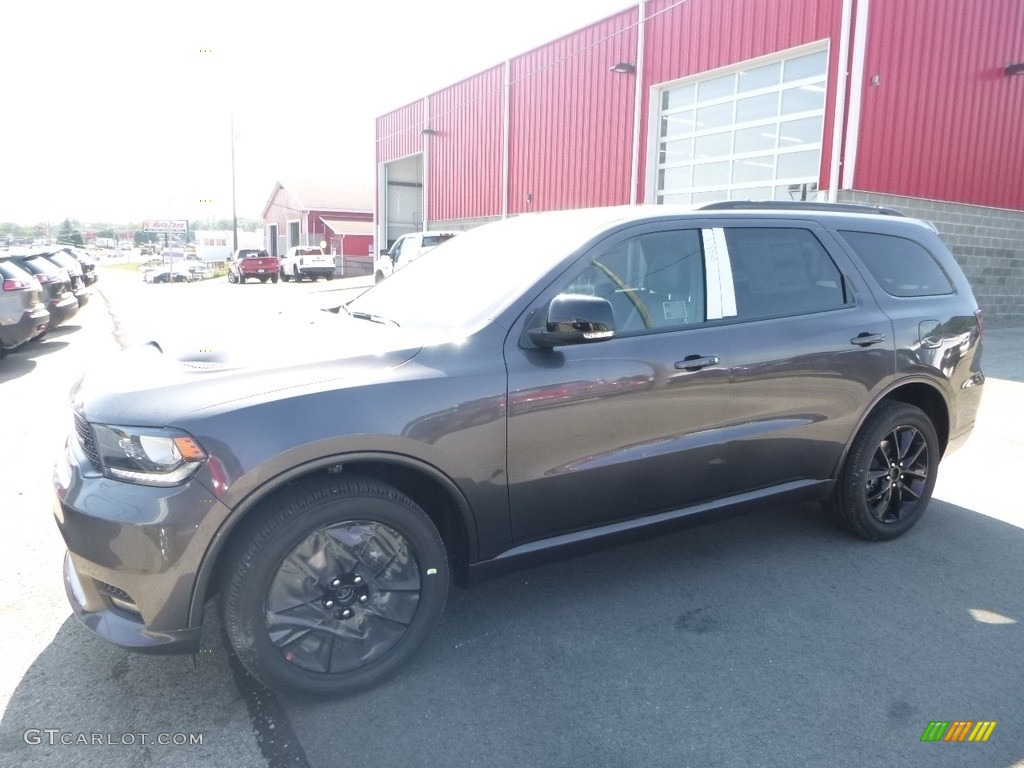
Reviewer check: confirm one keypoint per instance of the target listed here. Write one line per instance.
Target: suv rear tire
(889, 474)
(334, 586)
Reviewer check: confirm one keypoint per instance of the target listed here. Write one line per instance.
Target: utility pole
(234, 212)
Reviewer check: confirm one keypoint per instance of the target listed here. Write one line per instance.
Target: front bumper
(133, 553)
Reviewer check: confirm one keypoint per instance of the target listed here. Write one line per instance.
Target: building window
(752, 133)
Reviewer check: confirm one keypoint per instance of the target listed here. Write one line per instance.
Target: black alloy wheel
(334, 586)
(889, 474)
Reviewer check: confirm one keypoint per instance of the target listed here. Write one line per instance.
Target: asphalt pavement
(770, 639)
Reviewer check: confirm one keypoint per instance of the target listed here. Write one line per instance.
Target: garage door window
(752, 133)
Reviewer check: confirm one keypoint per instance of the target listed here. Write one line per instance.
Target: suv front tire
(336, 584)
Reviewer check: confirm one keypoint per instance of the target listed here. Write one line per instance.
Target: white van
(405, 249)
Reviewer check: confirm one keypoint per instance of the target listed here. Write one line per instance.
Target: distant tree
(108, 233)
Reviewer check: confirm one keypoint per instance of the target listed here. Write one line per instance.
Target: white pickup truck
(405, 249)
(306, 261)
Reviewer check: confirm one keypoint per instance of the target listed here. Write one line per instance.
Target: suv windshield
(471, 278)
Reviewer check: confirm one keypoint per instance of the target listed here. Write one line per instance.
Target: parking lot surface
(769, 639)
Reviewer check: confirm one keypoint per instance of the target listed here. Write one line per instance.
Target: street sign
(166, 225)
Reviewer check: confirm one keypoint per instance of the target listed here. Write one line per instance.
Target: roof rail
(798, 205)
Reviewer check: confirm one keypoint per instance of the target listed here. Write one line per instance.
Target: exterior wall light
(429, 132)
(623, 68)
(1014, 69)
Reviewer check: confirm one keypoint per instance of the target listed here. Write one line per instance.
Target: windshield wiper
(371, 317)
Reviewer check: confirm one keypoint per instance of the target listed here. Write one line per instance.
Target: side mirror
(575, 319)
(383, 252)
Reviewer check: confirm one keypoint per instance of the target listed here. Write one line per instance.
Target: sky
(121, 111)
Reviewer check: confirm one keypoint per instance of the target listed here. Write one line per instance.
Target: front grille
(87, 441)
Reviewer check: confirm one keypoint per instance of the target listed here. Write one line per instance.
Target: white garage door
(752, 132)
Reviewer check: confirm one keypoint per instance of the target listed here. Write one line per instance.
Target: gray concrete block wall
(988, 243)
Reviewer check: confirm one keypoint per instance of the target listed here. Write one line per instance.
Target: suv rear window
(901, 266)
(782, 272)
(253, 254)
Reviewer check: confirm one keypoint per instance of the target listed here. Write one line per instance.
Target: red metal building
(912, 103)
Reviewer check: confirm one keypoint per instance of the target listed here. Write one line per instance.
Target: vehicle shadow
(22, 360)
(63, 330)
(769, 639)
(80, 684)
(14, 365)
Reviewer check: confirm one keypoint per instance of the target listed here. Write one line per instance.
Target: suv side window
(901, 266)
(781, 271)
(653, 281)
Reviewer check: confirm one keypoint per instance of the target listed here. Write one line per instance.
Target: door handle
(867, 339)
(696, 362)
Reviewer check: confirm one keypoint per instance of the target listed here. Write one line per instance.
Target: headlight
(147, 456)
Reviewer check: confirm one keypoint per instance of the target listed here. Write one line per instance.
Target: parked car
(253, 262)
(611, 373)
(198, 270)
(406, 249)
(88, 262)
(62, 260)
(60, 302)
(303, 261)
(22, 313)
(176, 274)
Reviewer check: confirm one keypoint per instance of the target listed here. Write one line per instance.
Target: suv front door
(704, 394)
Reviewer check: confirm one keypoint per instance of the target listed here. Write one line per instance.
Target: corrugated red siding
(700, 35)
(571, 120)
(398, 132)
(465, 155)
(944, 123)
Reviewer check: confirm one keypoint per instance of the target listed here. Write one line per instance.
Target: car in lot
(407, 249)
(612, 373)
(60, 302)
(22, 313)
(62, 260)
(306, 261)
(198, 270)
(179, 273)
(87, 262)
(253, 262)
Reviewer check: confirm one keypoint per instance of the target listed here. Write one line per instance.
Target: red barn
(914, 104)
(338, 217)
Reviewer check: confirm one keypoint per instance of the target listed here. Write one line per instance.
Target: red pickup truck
(253, 262)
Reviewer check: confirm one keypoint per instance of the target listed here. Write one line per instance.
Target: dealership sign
(166, 225)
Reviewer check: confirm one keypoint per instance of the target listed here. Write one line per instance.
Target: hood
(262, 358)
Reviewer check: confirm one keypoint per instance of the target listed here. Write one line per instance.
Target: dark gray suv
(535, 386)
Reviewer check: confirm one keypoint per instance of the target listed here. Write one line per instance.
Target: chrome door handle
(696, 362)
(867, 339)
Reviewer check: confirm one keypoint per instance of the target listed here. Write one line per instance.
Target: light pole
(234, 213)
